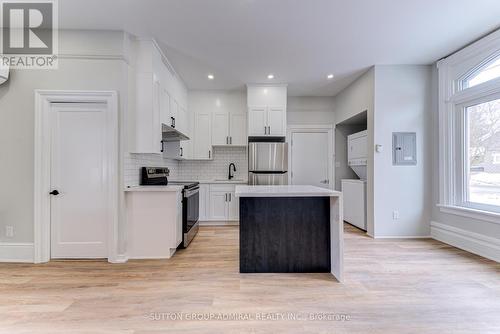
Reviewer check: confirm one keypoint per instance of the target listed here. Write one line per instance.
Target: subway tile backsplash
(190, 170)
(134, 162)
(218, 167)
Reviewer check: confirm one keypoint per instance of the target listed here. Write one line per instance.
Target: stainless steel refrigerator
(267, 163)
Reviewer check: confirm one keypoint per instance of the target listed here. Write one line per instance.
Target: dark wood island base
(285, 235)
(291, 229)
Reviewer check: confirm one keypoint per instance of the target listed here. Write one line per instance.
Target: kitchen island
(290, 229)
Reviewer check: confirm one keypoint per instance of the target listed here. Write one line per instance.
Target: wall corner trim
(472, 242)
(16, 252)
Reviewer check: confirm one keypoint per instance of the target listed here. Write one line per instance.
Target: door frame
(43, 100)
(313, 128)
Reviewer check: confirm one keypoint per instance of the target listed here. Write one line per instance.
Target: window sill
(488, 216)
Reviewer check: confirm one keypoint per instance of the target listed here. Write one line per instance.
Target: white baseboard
(121, 258)
(403, 237)
(476, 243)
(16, 252)
(219, 223)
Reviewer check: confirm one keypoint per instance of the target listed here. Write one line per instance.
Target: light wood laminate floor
(391, 286)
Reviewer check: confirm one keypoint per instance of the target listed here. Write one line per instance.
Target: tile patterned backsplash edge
(189, 170)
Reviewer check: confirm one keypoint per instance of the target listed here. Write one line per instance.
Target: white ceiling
(300, 41)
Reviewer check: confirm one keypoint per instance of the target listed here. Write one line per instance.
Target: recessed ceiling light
(270, 76)
(330, 76)
(211, 77)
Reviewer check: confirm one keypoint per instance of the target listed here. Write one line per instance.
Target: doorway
(311, 155)
(76, 175)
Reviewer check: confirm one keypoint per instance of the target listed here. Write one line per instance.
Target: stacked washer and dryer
(354, 190)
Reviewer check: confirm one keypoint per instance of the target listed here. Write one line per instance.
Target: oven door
(191, 208)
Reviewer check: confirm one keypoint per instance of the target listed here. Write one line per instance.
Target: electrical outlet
(395, 215)
(9, 231)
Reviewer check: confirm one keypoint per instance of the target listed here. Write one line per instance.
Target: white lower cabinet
(204, 196)
(219, 203)
(233, 207)
(154, 223)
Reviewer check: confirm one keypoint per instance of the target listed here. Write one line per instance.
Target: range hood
(169, 133)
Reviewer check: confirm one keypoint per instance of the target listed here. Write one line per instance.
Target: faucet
(230, 176)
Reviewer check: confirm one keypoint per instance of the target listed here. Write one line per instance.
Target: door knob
(54, 192)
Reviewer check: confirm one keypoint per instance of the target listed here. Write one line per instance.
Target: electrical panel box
(404, 148)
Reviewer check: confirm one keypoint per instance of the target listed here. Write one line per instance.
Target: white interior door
(79, 213)
(310, 159)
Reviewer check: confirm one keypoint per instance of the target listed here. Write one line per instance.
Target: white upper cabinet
(226, 112)
(157, 94)
(220, 128)
(228, 129)
(238, 129)
(266, 110)
(145, 127)
(257, 121)
(276, 121)
(203, 139)
(174, 112)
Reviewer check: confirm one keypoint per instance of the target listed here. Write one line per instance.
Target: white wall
(89, 60)
(397, 98)
(402, 104)
(310, 110)
(356, 98)
(214, 100)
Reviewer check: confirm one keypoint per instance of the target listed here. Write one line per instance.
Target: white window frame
(454, 98)
(496, 158)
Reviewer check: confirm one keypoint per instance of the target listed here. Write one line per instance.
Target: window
(469, 131)
(482, 142)
(484, 74)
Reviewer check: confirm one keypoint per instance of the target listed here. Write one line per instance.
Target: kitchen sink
(232, 180)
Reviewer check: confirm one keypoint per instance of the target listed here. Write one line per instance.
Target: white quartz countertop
(219, 181)
(285, 191)
(155, 188)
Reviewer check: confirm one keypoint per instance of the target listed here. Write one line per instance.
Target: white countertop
(285, 191)
(218, 181)
(155, 188)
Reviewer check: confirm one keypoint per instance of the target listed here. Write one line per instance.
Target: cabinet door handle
(269, 130)
(161, 147)
(229, 197)
(182, 151)
(226, 197)
(231, 140)
(209, 154)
